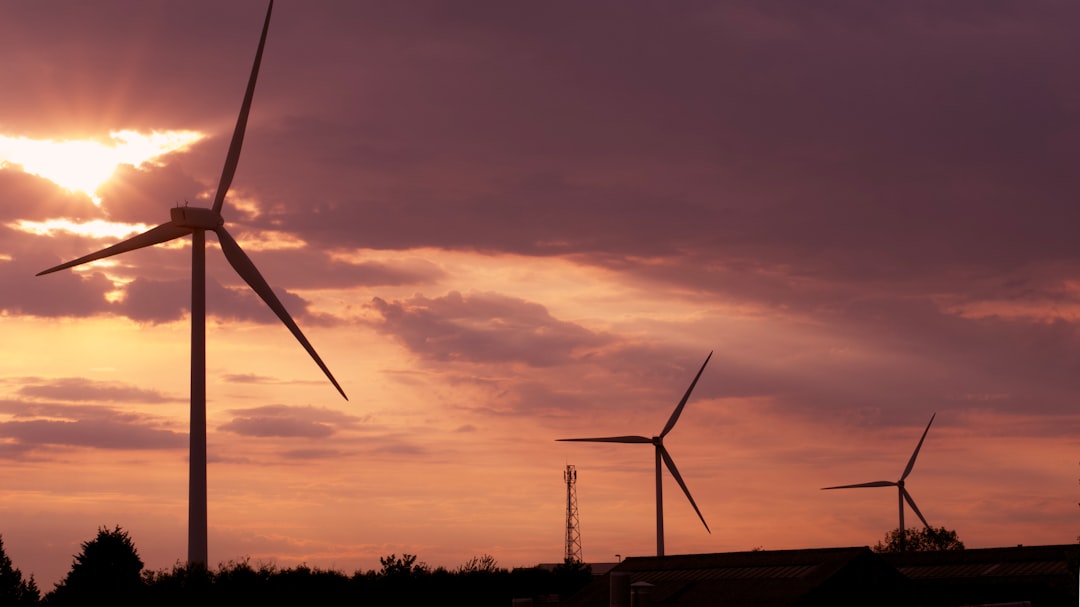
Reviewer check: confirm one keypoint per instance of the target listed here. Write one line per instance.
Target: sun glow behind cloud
(84, 165)
(94, 229)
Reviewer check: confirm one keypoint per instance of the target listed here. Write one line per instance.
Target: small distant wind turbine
(196, 221)
(661, 454)
(903, 492)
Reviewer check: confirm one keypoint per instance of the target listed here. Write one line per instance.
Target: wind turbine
(196, 221)
(661, 454)
(901, 490)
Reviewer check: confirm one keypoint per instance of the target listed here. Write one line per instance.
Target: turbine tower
(901, 490)
(196, 221)
(573, 530)
(661, 454)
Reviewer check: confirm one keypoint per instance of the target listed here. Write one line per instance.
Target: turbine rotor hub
(197, 218)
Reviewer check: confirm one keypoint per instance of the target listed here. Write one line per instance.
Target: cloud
(313, 454)
(148, 193)
(289, 422)
(645, 161)
(33, 198)
(71, 294)
(249, 378)
(158, 301)
(79, 389)
(65, 294)
(484, 327)
(274, 426)
(38, 426)
(99, 434)
(316, 268)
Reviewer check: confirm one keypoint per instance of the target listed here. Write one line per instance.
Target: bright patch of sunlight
(94, 229)
(270, 240)
(84, 165)
(237, 204)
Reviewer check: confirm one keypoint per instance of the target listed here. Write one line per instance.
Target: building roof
(1039, 575)
(775, 578)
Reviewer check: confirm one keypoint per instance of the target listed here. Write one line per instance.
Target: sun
(84, 165)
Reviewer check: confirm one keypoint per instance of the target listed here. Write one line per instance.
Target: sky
(501, 224)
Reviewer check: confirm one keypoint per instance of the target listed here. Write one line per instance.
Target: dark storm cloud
(484, 327)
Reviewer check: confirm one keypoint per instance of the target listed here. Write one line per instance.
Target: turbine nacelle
(196, 218)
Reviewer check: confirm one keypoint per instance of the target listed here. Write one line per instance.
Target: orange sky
(502, 225)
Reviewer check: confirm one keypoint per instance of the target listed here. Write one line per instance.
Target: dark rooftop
(1039, 576)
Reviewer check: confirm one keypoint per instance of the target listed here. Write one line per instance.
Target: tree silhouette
(107, 571)
(13, 589)
(479, 564)
(923, 539)
(392, 566)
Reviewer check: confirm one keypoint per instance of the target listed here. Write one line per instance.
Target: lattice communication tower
(573, 531)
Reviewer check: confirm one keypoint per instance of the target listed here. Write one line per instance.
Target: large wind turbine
(903, 492)
(196, 221)
(661, 454)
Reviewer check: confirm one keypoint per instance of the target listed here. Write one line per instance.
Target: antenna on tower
(573, 531)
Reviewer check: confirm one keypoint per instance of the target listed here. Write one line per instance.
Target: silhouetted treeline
(109, 571)
(919, 539)
(14, 590)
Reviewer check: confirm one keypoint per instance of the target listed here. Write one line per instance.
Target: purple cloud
(484, 327)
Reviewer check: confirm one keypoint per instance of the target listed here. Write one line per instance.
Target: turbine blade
(609, 439)
(247, 270)
(678, 477)
(873, 484)
(911, 462)
(678, 409)
(233, 157)
(153, 236)
(911, 502)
